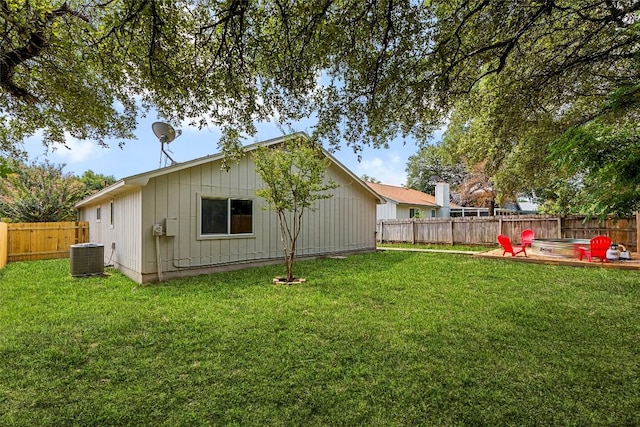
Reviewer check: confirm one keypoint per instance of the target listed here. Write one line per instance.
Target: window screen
(241, 216)
(214, 216)
(226, 216)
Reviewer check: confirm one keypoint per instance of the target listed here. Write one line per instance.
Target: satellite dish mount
(165, 133)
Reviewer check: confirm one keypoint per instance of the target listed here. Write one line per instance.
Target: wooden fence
(484, 230)
(40, 240)
(3, 245)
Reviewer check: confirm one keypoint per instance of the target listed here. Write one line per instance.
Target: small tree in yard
(294, 174)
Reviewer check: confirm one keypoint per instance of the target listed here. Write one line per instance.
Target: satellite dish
(165, 133)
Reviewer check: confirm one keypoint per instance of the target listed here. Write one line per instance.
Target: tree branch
(36, 43)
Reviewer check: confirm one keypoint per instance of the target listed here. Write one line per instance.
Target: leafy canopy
(546, 98)
(430, 165)
(42, 192)
(39, 193)
(94, 182)
(83, 68)
(509, 78)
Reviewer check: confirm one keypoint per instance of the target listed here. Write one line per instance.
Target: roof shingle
(404, 195)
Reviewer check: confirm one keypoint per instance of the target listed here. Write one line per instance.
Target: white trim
(112, 210)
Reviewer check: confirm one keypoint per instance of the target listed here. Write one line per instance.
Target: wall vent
(86, 259)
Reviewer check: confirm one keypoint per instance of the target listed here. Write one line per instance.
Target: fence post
(413, 232)
(451, 230)
(559, 227)
(381, 231)
(4, 244)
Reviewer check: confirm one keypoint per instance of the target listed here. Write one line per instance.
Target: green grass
(384, 339)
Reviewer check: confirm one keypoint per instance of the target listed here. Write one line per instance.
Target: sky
(143, 154)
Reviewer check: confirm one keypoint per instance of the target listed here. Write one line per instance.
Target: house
(404, 203)
(521, 206)
(195, 218)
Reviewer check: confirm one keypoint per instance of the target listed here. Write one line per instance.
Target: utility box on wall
(171, 226)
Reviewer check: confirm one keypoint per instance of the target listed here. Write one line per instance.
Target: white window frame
(111, 214)
(228, 234)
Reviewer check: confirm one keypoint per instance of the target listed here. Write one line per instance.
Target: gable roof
(140, 180)
(403, 195)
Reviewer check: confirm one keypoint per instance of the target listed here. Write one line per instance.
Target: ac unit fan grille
(86, 259)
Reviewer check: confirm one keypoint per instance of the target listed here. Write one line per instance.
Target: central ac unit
(86, 259)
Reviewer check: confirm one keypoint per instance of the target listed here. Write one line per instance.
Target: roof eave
(380, 200)
(419, 205)
(141, 180)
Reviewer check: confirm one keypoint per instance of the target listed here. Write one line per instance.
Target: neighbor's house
(405, 203)
(522, 206)
(194, 218)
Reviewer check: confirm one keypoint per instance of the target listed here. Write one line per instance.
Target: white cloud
(76, 150)
(389, 169)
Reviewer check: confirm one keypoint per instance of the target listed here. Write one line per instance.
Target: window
(111, 214)
(98, 214)
(241, 216)
(214, 216)
(225, 216)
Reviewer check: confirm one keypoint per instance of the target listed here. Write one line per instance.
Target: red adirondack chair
(526, 237)
(598, 249)
(505, 242)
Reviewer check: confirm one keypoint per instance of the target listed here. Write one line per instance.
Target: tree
(295, 177)
(5, 167)
(477, 190)
(525, 76)
(39, 193)
(514, 157)
(57, 75)
(558, 197)
(610, 155)
(430, 165)
(367, 178)
(367, 70)
(94, 182)
(84, 68)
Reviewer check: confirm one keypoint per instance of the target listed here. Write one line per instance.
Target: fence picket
(3, 245)
(41, 240)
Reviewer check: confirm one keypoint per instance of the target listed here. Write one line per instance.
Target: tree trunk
(290, 267)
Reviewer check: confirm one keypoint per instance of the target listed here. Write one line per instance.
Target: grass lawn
(382, 339)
